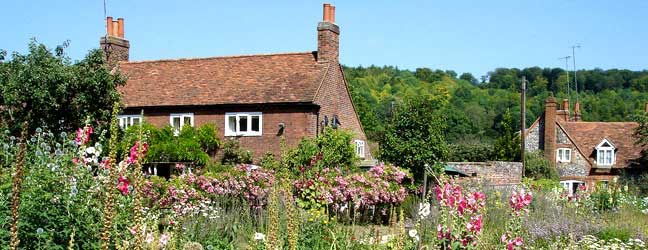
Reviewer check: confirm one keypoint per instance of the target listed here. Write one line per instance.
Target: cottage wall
(334, 99)
(534, 137)
(578, 166)
(299, 122)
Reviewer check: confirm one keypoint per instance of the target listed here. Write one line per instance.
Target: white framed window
(179, 120)
(605, 153)
(563, 155)
(126, 121)
(243, 123)
(360, 148)
(571, 186)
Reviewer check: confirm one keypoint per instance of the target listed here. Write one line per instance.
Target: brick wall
(494, 173)
(115, 50)
(299, 120)
(334, 99)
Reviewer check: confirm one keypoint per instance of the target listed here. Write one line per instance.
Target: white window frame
(235, 132)
(126, 121)
(605, 155)
(360, 147)
(563, 155)
(571, 185)
(182, 123)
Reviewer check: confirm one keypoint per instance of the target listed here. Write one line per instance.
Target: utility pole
(574, 59)
(567, 71)
(523, 123)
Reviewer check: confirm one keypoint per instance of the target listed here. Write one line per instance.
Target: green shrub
(470, 152)
(545, 185)
(189, 145)
(268, 161)
(332, 149)
(538, 167)
(609, 233)
(233, 153)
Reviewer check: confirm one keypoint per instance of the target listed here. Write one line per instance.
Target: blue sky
(465, 36)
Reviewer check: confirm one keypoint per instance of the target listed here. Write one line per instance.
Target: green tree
(469, 78)
(507, 146)
(414, 137)
(46, 89)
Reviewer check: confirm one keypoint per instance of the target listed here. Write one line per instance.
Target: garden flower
(132, 157)
(164, 239)
(39, 230)
(149, 238)
(424, 209)
(83, 135)
(259, 236)
(122, 185)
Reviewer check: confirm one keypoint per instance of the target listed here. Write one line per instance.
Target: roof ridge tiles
(217, 57)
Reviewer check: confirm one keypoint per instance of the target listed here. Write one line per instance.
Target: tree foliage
(475, 110)
(415, 136)
(507, 146)
(49, 91)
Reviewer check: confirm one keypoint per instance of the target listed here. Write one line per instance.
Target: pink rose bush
(461, 219)
(184, 193)
(519, 202)
(330, 187)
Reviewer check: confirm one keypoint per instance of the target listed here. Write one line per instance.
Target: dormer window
(605, 153)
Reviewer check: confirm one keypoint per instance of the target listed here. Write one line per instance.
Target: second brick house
(256, 99)
(584, 153)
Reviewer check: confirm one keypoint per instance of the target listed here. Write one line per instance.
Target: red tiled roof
(587, 135)
(273, 78)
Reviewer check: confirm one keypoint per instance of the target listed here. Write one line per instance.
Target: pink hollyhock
(83, 135)
(475, 224)
(132, 158)
(520, 200)
(105, 164)
(122, 185)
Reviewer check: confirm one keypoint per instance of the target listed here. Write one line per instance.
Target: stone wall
(532, 142)
(494, 173)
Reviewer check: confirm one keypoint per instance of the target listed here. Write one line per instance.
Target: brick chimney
(114, 45)
(550, 130)
(577, 112)
(328, 36)
(563, 113)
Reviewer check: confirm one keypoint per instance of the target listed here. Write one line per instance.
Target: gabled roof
(253, 79)
(588, 135)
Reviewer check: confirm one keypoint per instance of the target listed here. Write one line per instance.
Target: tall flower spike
(108, 184)
(17, 181)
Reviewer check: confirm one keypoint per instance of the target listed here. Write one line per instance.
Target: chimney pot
(327, 12)
(332, 14)
(109, 26)
(115, 28)
(120, 33)
(565, 104)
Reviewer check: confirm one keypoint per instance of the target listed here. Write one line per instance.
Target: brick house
(584, 153)
(256, 99)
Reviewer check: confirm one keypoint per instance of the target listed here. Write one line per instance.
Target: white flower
(91, 150)
(424, 209)
(149, 238)
(412, 233)
(164, 239)
(259, 236)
